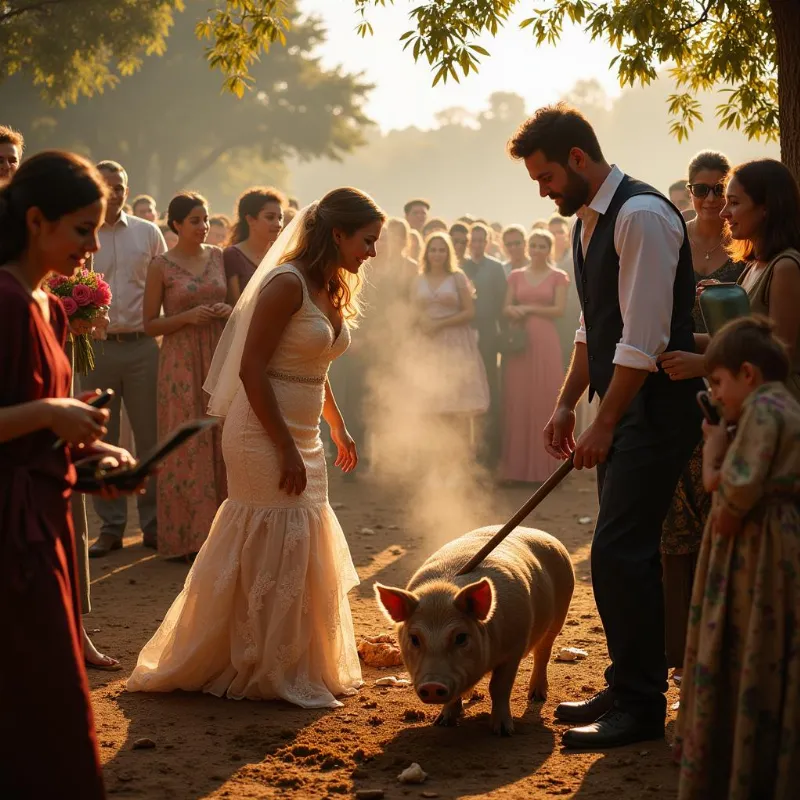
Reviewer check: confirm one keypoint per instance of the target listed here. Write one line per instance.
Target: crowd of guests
(494, 307)
(495, 337)
(499, 308)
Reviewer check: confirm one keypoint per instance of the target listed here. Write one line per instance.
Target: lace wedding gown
(264, 611)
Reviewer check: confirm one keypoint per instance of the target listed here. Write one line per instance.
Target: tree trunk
(165, 176)
(786, 24)
(137, 164)
(203, 164)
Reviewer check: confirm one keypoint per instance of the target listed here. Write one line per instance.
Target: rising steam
(425, 457)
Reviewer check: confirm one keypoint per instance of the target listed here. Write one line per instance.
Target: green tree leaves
(74, 48)
(71, 48)
(239, 32)
(703, 44)
(170, 124)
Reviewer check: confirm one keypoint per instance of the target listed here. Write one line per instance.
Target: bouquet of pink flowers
(85, 297)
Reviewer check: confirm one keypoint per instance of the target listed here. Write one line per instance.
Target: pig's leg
(537, 688)
(451, 713)
(500, 687)
(543, 649)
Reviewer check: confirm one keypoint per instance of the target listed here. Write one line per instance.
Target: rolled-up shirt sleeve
(648, 238)
(580, 334)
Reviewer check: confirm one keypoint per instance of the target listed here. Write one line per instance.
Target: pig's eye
(461, 639)
(415, 640)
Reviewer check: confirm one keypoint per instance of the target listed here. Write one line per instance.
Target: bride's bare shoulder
(285, 288)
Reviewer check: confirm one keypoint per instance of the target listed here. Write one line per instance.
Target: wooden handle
(536, 498)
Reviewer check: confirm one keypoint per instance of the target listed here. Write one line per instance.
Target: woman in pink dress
(188, 281)
(536, 297)
(448, 378)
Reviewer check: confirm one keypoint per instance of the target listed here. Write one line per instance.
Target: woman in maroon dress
(259, 222)
(49, 215)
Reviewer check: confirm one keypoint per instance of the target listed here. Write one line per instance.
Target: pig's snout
(433, 692)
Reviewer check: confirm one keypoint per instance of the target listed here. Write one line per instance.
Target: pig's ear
(477, 600)
(397, 604)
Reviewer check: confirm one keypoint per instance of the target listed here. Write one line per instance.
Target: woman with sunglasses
(685, 521)
(709, 238)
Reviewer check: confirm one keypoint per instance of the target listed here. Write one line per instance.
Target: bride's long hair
(308, 241)
(346, 210)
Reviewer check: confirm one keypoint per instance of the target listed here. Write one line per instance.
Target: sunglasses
(701, 190)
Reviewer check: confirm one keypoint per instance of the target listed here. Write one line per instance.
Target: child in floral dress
(738, 731)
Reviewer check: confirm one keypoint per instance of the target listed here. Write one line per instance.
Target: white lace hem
(263, 613)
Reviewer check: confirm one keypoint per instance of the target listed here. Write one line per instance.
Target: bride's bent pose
(264, 612)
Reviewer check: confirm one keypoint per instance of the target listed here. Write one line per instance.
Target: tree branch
(15, 12)
(700, 20)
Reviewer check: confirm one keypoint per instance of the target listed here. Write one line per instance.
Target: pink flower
(70, 306)
(101, 296)
(82, 294)
(57, 280)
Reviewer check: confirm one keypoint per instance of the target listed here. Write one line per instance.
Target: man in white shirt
(127, 360)
(633, 273)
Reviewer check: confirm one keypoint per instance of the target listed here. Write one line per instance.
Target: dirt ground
(207, 747)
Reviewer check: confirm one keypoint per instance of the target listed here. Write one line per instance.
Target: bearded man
(633, 273)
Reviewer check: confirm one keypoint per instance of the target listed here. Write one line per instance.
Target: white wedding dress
(264, 611)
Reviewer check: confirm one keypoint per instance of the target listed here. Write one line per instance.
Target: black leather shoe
(150, 541)
(104, 545)
(614, 729)
(586, 711)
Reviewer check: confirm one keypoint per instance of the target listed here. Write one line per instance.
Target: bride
(264, 611)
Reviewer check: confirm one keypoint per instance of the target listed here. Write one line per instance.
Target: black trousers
(636, 484)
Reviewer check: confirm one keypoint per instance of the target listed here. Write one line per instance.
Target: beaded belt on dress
(285, 376)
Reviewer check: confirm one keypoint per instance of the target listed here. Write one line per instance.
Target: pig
(455, 630)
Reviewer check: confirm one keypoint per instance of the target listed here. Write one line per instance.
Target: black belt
(133, 336)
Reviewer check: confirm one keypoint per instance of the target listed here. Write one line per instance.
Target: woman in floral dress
(738, 732)
(189, 283)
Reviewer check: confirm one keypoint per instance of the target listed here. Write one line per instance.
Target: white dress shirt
(648, 235)
(126, 249)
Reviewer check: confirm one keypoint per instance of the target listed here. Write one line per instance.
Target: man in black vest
(633, 272)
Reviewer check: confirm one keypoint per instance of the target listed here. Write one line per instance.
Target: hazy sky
(404, 96)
